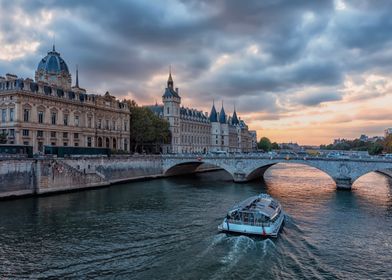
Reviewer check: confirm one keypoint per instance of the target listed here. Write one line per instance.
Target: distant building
(364, 138)
(375, 139)
(49, 111)
(290, 146)
(193, 131)
(253, 134)
(387, 131)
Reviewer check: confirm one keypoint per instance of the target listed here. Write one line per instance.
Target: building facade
(51, 112)
(193, 131)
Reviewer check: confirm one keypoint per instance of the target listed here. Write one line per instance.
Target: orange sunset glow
(306, 72)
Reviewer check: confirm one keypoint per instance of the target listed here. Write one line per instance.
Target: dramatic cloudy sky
(305, 71)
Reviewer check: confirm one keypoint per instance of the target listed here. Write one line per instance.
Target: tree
(147, 130)
(141, 127)
(3, 137)
(388, 144)
(375, 148)
(264, 144)
(275, 146)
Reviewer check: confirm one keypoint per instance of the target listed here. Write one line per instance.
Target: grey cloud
(314, 99)
(121, 45)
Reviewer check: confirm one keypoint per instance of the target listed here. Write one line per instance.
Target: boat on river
(260, 215)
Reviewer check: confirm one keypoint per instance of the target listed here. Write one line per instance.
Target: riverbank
(26, 177)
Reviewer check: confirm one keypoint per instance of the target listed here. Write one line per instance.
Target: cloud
(271, 58)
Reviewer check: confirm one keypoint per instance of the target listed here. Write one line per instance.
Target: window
(125, 125)
(12, 132)
(88, 141)
(114, 125)
(40, 117)
(65, 144)
(3, 115)
(26, 143)
(26, 115)
(168, 110)
(53, 134)
(99, 123)
(40, 146)
(53, 117)
(76, 120)
(76, 135)
(53, 143)
(65, 135)
(107, 124)
(89, 122)
(25, 132)
(65, 119)
(76, 144)
(40, 133)
(11, 114)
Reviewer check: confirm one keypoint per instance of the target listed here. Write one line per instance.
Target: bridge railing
(200, 157)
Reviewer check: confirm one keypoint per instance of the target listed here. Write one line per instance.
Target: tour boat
(260, 215)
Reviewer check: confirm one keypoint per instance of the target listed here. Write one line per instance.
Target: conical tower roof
(234, 119)
(213, 114)
(222, 115)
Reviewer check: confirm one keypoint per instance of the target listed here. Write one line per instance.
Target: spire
(213, 114)
(222, 115)
(77, 76)
(170, 83)
(234, 119)
(54, 43)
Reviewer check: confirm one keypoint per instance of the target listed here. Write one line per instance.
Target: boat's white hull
(271, 231)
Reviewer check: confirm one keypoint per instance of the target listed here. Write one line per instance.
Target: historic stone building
(49, 111)
(193, 131)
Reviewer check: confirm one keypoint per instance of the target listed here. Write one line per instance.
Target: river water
(167, 229)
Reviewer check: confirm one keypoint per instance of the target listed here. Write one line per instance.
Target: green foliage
(373, 148)
(146, 129)
(275, 146)
(376, 149)
(264, 144)
(3, 138)
(387, 145)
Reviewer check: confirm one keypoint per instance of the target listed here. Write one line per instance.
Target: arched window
(100, 142)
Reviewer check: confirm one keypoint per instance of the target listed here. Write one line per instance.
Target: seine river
(167, 229)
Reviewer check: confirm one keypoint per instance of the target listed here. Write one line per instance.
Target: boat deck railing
(238, 222)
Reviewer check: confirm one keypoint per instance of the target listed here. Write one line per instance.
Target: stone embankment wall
(117, 169)
(17, 177)
(27, 177)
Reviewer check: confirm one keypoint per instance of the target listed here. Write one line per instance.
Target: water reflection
(167, 229)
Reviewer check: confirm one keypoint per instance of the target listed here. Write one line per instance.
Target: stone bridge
(243, 168)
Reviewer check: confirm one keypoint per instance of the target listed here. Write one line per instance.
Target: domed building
(51, 112)
(53, 70)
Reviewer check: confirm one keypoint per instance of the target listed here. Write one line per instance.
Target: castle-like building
(50, 111)
(193, 131)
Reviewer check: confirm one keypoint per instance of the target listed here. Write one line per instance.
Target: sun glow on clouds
(307, 72)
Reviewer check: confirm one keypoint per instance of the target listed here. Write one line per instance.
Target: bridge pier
(343, 184)
(239, 178)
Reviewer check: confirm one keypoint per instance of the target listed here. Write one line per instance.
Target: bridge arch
(188, 167)
(258, 172)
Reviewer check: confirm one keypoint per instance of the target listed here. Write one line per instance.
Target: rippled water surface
(167, 229)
